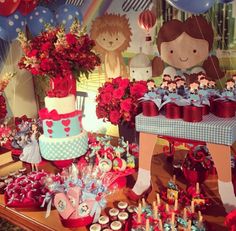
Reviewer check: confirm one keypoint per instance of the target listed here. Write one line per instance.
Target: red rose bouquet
(57, 54)
(117, 101)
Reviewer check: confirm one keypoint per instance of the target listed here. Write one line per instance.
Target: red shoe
(134, 197)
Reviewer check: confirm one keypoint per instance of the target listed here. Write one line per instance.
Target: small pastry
(122, 205)
(95, 227)
(104, 221)
(123, 217)
(131, 209)
(116, 226)
(113, 213)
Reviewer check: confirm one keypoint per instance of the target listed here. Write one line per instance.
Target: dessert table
(218, 133)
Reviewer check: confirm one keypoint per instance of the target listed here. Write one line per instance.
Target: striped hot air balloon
(146, 21)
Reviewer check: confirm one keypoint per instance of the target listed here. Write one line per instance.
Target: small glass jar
(103, 221)
(123, 217)
(95, 227)
(116, 226)
(122, 206)
(113, 213)
(131, 209)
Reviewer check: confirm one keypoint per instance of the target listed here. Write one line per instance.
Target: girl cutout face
(185, 51)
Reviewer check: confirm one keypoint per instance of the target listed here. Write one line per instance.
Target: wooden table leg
(221, 157)
(147, 143)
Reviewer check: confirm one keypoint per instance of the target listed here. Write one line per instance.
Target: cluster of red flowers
(198, 159)
(55, 53)
(3, 107)
(117, 100)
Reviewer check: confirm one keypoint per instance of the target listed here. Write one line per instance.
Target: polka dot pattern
(65, 15)
(11, 25)
(38, 18)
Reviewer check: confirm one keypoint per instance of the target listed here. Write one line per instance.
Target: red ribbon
(149, 108)
(53, 115)
(224, 109)
(192, 114)
(173, 111)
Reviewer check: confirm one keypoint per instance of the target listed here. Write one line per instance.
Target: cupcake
(104, 221)
(116, 226)
(122, 205)
(95, 227)
(131, 209)
(123, 217)
(113, 213)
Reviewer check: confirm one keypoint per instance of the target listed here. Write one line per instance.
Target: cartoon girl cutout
(31, 152)
(184, 47)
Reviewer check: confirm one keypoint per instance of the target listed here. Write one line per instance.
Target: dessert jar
(122, 206)
(116, 226)
(104, 221)
(113, 213)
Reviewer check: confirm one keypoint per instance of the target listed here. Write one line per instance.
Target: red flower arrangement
(55, 53)
(3, 84)
(3, 107)
(117, 100)
(198, 159)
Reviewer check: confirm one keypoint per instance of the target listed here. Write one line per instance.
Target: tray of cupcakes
(115, 218)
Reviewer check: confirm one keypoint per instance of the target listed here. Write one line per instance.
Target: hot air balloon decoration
(146, 21)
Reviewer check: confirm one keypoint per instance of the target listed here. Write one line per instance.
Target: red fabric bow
(53, 115)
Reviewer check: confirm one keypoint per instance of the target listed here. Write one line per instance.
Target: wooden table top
(34, 219)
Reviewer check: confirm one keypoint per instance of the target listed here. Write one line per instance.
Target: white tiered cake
(63, 136)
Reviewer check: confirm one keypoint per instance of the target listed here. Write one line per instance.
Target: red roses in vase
(117, 101)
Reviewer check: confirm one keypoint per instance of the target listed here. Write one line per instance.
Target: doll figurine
(31, 152)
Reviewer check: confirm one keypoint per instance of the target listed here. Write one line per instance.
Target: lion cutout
(112, 35)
